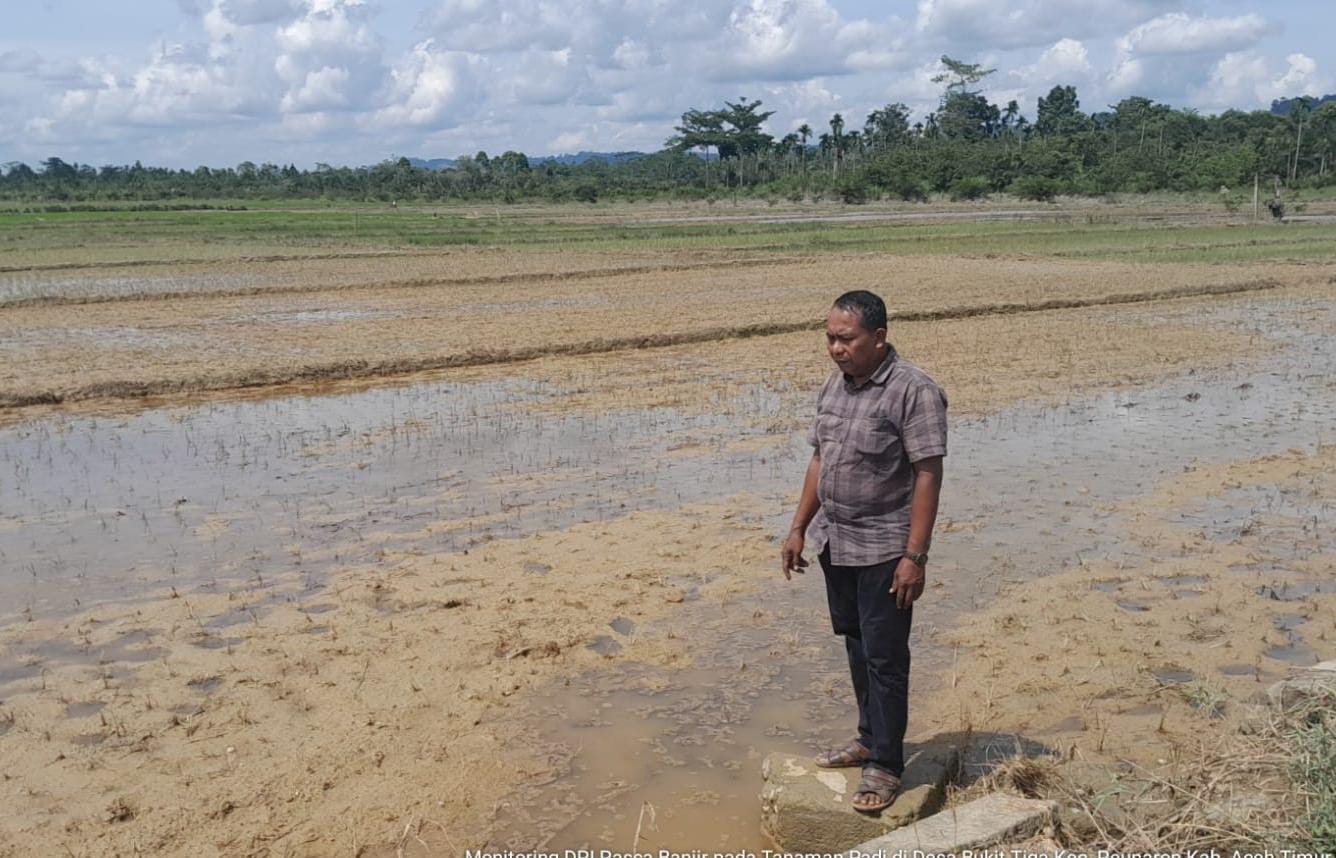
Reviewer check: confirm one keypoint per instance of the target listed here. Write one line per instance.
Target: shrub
(1035, 188)
(907, 188)
(969, 188)
(853, 193)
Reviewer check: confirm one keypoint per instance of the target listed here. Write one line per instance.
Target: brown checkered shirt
(868, 436)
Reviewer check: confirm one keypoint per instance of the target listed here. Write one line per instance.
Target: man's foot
(852, 754)
(876, 790)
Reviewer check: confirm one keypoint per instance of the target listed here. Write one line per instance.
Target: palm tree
(804, 131)
(787, 145)
(837, 142)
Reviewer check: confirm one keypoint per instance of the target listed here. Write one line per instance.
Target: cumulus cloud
(1171, 54)
(572, 141)
(483, 26)
(319, 90)
(551, 77)
(635, 106)
(990, 24)
(1248, 80)
(794, 40)
(246, 13)
(328, 76)
(429, 88)
(329, 57)
(1177, 33)
(635, 55)
(20, 61)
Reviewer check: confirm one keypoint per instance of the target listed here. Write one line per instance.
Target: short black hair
(869, 307)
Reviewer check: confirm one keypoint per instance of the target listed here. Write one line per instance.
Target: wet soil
(1030, 492)
(227, 498)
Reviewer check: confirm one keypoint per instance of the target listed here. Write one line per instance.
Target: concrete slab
(805, 808)
(993, 820)
(1307, 684)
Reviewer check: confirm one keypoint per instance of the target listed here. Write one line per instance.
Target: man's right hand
(791, 555)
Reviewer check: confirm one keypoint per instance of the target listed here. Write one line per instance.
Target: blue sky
(190, 82)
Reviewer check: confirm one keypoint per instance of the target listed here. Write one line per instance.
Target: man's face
(855, 350)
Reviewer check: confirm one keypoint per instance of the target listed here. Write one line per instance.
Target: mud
(378, 329)
(1032, 493)
(466, 683)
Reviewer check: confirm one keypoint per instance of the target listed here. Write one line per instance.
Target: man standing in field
(870, 498)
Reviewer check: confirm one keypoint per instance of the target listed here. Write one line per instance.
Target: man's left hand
(908, 584)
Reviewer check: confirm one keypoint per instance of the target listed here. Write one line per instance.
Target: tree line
(968, 148)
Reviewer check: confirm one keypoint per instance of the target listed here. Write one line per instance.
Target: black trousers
(876, 637)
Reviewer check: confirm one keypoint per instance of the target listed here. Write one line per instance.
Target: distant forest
(968, 148)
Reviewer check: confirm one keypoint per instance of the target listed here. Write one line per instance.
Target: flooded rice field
(1029, 492)
(99, 508)
(113, 508)
(235, 496)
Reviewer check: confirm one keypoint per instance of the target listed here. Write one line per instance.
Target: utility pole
(1256, 198)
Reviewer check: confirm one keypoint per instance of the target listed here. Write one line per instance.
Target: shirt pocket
(875, 440)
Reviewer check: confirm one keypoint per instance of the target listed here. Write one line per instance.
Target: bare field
(71, 352)
(373, 698)
(1147, 659)
(406, 553)
(76, 283)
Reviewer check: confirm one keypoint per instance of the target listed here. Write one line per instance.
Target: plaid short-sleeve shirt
(868, 437)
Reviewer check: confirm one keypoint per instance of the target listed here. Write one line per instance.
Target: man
(870, 498)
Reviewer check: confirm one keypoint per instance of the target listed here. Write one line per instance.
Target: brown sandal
(881, 784)
(852, 754)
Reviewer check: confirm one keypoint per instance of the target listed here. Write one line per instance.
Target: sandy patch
(1143, 662)
(216, 724)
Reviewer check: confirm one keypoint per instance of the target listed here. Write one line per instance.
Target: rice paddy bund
(402, 532)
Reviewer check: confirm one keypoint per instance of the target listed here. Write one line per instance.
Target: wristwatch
(920, 560)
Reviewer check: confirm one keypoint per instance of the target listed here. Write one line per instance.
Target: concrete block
(805, 808)
(1307, 684)
(993, 820)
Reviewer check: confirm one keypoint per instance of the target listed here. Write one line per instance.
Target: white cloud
(633, 55)
(429, 88)
(1169, 56)
(322, 89)
(246, 13)
(325, 77)
(550, 77)
(1177, 33)
(487, 26)
(19, 61)
(1066, 62)
(994, 24)
(795, 40)
(1065, 58)
(638, 106)
(571, 142)
(329, 57)
(1248, 80)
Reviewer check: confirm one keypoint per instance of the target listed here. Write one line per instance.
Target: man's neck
(860, 380)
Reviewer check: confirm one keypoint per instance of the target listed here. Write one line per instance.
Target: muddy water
(1036, 487)
(111, 509)
(226, 494)
(26, 286)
